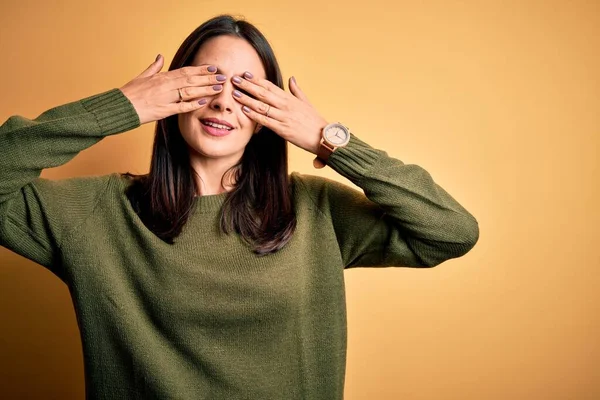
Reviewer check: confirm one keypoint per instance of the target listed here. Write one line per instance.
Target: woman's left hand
(291, 116)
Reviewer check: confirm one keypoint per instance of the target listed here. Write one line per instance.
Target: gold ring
(180, 96)
(268, 109)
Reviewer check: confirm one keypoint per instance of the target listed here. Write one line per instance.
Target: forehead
(231, 55)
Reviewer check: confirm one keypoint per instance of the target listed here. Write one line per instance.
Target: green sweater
(205, 318)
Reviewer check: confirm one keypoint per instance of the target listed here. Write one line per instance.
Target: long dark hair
(259, 207)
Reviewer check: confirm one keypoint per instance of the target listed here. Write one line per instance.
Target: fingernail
(248, 75)
(237, 79)
(237, 93)
(202, 102)
(212, 68)
(246, 109)
(294, 80)
(157, 58)
(221, 78)
(217, 87)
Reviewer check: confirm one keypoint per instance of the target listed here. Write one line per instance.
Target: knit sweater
(206, 318)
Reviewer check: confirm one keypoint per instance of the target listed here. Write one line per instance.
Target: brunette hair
(259, 207)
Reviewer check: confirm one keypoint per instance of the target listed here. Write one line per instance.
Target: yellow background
(499, 101)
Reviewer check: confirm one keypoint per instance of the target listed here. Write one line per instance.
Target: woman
(217, 275)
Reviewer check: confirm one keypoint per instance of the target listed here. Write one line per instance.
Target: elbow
(470, 235)
(458, 242)
(466, 236)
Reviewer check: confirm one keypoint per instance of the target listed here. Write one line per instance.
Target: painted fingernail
(221, 78)
(212, 68)
(202, 102)
(294, 80)
(246, 109)
(248, 75)
(237, 79)
(237, 93)
(216, 88)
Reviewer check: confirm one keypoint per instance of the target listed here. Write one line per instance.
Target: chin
(206, 146)
(208, 143)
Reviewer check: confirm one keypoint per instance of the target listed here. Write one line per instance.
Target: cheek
(246, 124)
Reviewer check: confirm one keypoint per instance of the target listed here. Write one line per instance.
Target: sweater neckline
(210, 202)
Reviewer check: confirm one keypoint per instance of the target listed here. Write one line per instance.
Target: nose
(223, 101)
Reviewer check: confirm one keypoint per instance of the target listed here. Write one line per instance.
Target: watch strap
(323, 153)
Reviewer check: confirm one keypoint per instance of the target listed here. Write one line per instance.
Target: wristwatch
(332, 136)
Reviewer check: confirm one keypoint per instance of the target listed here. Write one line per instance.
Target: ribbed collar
(211, 202)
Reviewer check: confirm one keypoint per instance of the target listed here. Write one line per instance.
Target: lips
(217, 121)
(223, 128)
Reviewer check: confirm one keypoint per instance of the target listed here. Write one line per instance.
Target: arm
(405, 219)
(35, 213)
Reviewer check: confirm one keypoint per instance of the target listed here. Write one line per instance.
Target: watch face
(337, 134)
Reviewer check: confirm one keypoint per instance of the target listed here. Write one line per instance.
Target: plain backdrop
(498, 100)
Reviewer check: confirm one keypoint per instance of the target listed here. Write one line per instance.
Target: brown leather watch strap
(323, 153)
(324, 150)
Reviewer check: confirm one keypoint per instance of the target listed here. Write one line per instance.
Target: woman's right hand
(155, 94)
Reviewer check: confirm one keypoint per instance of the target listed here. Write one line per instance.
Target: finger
(188, 106)
(260, 89)
(198, 81)
(191, 71)
(258, 106)
(154, 68)
(263, 120)
(193, 92)
(296, 91)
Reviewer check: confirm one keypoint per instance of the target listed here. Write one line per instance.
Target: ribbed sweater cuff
(354, 160)
(114, 112)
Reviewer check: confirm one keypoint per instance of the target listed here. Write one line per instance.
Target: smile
(213, 128)
(215, 125)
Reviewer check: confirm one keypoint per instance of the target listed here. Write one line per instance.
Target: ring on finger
(180, 96)
(268, 109)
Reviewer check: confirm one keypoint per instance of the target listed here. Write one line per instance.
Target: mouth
(216, 127)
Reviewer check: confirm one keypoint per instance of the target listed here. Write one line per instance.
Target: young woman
(217, 275)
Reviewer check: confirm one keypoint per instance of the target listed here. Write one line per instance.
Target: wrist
(318, 138)
(333, 136)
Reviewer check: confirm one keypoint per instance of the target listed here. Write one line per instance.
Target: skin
(212, 156)
(155, 95)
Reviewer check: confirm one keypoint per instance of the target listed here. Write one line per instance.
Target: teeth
(218, 126)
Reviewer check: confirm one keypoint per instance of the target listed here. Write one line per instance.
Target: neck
(209, 175)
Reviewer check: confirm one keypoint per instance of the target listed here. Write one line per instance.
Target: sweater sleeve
(403, 218)
(37, 214)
